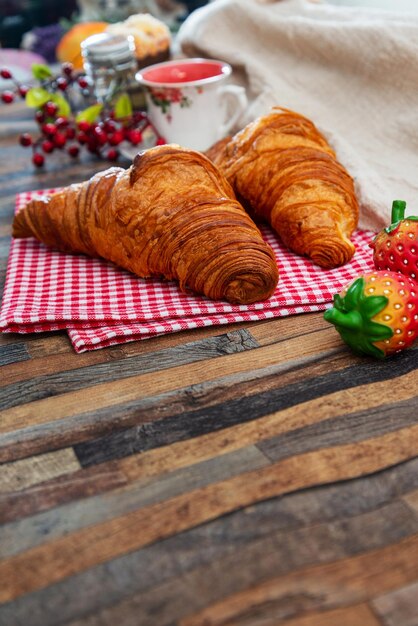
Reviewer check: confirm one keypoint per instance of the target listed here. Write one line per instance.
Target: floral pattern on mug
(165, 97)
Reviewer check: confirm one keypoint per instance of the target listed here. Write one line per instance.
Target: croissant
(284, 170)
(172, 214)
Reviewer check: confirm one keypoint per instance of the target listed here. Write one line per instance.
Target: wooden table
(249, 475)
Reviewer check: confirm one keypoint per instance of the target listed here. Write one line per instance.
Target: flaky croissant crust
(284, 170)
(172, 214)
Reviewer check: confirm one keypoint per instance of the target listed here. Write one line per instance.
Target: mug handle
(239, 95)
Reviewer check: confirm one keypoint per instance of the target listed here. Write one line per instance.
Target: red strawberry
(395, 248)
(377, 314)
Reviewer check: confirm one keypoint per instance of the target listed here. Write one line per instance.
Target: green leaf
(123, 106)
(40, 71)
(37, 96)
(354, 294)
(377, 332)
(64, 108)
(90, 114)
(372, 305)
(339, 302)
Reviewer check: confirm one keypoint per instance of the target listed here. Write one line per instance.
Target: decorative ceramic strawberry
(377, 314)
(395, 248)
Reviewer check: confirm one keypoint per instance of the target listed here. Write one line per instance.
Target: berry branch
(100, 128)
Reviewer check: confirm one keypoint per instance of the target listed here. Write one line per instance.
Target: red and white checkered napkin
(100, 304)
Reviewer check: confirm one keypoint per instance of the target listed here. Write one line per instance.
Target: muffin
(152, 37)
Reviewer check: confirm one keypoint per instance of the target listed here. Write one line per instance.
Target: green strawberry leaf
(354, 294)
(37, 97)
(372, 305)
(339, 302)
(352, 315)
(377, 332)
(360, 344)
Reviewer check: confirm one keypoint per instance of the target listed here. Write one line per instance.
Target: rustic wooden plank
(13, 353)
(61, 355)
(345, 581)
(56, 367)
(284, 328)
(60, 490)
(4, 247)
(194, 425)
(241, 569)
(358, 615)
(412, 500)
(45, 345)
(55, 346)
(37, 439)
(222, 557)
(33, 339)
(157, 462)
(399, 607)
(33, 531)
(352, 427)
(78, 551)
(143, 385)
(45, 386)
(28, 472)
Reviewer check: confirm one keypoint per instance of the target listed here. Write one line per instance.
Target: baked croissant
(284, 170)
(172, 214)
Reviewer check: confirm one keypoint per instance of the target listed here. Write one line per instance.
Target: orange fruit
(69, 47)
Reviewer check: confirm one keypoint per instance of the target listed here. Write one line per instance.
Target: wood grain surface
(252, 475)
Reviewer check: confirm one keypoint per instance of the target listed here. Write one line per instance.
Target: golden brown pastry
(171, 214)
(285, 171)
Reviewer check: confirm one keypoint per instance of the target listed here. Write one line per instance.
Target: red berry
(38, 159)
(112, 154)
(50, 109)
(47, 146)
(67, 68)
(70, 132)
(92, 146)
(135, 137)
(60, 139)
(60, 122)
(23, 90)
(62, 83)
(40, 117)
(73, 151)
(5, 73)
(116, 138)
(109, 126)
(83, 83)
(7, 97)
(25, 140)
(82, 138)
(100, 135)
(49, 129)
(160, 141)
(84, 126)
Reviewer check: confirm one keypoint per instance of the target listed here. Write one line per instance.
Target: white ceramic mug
(188, 102)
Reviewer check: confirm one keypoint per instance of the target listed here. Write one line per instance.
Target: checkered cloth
(101, 305)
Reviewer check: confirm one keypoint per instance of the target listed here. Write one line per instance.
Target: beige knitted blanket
(353, 72)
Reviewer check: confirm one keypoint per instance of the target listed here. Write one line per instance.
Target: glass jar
(110, 64)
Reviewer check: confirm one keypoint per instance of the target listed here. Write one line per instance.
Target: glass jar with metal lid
(110, 63)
